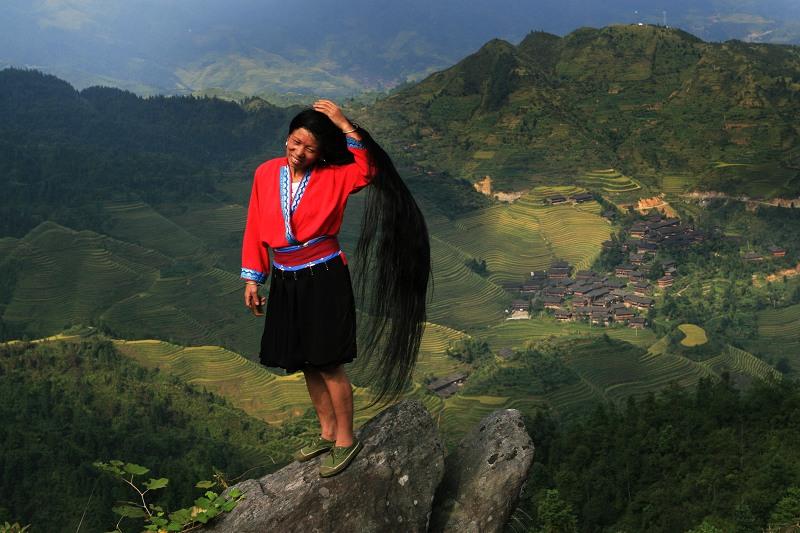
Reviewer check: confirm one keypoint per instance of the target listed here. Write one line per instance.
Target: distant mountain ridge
(252, 47)
(649, 100)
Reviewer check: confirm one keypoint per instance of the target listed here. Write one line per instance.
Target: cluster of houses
(623, 296)
(646, 238)
(589, 296)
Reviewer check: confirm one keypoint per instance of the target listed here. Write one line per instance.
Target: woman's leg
(341, 397)
(321, 399)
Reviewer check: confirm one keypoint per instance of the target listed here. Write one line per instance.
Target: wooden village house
(447, 386)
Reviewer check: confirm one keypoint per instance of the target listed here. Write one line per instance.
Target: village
(623, 296)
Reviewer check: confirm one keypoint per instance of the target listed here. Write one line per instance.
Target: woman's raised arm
(334, 112)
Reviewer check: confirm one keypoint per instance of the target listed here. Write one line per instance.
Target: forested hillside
(650, 101)
(712, 460)
(65, 405)
(63, 152)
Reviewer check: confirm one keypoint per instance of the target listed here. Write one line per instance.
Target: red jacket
(319, 211)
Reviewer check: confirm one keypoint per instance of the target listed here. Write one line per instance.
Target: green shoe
(315, 446)
(338, 459)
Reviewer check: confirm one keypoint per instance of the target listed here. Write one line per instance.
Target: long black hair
(392, 260)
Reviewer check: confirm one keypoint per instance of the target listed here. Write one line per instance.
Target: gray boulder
(388, 487)
(484, 476)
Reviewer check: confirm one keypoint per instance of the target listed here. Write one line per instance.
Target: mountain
(68, 404)
(248, 47)
(123, 215)
(63, 150)
(647, 100)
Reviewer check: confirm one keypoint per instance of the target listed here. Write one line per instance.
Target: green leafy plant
(156, 518)
(13, 528)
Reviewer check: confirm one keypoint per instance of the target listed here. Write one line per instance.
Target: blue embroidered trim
(288, 206)
(352, 143)
(283, 181)
(301, 188)
(306, 265)
(255, 275)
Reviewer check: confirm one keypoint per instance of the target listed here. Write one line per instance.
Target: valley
(122, 221)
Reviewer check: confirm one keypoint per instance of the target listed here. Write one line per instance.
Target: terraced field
(7, 244)
(245, 384)
(139, 223)
(738, 361)
(515, 334)
(668, 368)
(537, 195)
(677, 184)
(218, 225)
(616, 371)
(506, 237)
(460, 413)
(780, 323)
(571, 400)
(178, 308)
(220, 228)
(160, 284)
(432, 354)
(763, 180)
(461, 298)
(573, 234)
(266, 395)
(526, 235)
(67, 277)
(695, 335)
(778, 336)
(608, 371)
(608, 181)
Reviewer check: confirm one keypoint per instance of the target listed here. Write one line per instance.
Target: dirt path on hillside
(787, 203)
(769, 278)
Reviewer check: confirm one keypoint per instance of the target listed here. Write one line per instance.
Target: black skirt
(310, 318)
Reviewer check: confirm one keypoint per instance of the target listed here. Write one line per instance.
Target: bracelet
(355, 128)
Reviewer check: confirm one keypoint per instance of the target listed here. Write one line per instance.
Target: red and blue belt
(308, 254)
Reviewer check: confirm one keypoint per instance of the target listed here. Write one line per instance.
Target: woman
(296, 208)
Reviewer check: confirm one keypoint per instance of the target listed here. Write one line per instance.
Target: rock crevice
(401, 481)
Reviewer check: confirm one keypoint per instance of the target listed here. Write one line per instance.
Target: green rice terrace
(151, 259)
(149, 281)
(695, 335)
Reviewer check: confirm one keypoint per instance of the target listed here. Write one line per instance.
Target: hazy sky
(150, 42)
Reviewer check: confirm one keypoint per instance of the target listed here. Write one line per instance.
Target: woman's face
(302, 150)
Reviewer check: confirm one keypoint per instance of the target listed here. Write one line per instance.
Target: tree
(787, 511)
(469, 350)
(556, 515)
(705, 527)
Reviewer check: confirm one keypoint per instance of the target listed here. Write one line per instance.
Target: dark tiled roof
(581, 197)
(640, 300)
(440, 383)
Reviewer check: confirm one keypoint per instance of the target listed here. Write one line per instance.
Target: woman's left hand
(329, 108)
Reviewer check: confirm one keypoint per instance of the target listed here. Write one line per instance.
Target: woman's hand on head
(252, 300)
(333, 112)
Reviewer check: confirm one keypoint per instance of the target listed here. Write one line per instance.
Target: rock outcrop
(398, 482)
(484, 476)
